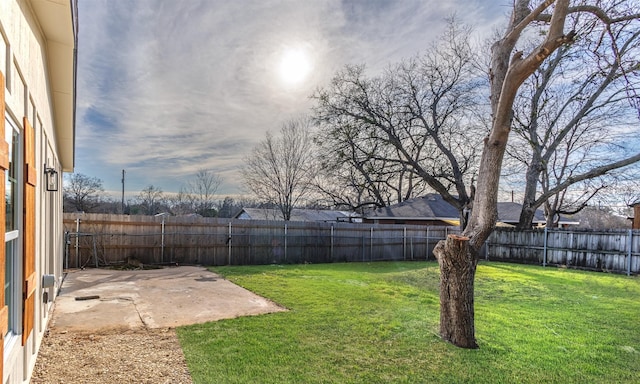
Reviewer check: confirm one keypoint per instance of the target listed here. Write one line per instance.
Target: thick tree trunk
(458, 255)
(457, 262)
(527, 215)
(550, 213)
(528, 204)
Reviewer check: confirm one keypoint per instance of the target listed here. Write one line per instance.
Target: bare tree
(629, 188)
(82, 193)
(202, 192)
(280, 168)
(575, 115)
(601, 218)
(411, 127)
(621, 193)
(181, 203)
(151, 199)
(229, 207)
(458, 255)
(360, 172)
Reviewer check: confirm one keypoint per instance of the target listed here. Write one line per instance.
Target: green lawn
(378, 323)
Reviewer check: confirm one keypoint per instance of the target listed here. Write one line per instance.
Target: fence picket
(113, 239)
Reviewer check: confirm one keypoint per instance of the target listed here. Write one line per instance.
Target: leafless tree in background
(180, 203)
(601, 218)
(389, 137)
(622, 192)
(360, 172)
(82, 193)
(229, 206)
(629, 188)
(150, 200)
(201, 192)
(280, 168)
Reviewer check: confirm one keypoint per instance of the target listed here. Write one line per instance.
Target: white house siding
(32, 54)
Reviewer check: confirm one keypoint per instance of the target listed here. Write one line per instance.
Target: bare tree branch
(280, 168)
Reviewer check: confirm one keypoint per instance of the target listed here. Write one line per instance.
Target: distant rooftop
(429, 207)
(296, 215)
(433, 207)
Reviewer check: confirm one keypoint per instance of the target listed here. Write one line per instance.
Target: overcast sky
(166, 88)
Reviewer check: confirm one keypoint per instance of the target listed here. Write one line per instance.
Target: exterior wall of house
(26, 64)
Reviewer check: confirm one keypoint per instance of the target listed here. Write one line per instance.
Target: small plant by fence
(98, 239)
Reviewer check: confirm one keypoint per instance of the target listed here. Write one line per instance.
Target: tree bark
(458, 255)
(457, 273)
(528, 204)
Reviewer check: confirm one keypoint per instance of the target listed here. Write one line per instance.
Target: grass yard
(378, 323)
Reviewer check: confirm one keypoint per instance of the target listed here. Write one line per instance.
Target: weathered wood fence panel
(98, 239)
(614, 251)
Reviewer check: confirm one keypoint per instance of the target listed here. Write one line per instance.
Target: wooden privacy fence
(99, 239)
(613, 251)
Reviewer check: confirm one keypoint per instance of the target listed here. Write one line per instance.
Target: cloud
(169, 87)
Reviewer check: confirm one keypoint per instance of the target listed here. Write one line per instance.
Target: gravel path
(110, 357)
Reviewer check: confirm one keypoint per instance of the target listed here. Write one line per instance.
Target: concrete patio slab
(94, 299)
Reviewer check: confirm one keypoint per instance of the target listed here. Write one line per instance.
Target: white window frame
(15, 236)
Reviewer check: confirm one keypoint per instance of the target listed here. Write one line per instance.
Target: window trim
(15, 236)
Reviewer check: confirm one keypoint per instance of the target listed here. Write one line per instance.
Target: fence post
(95, 249)
(544, 251)
(229, 245)
(67, 241)
(331, 242)
(77, 242)
(571, 250)
(162, 241)
(363, 247)
(629, 253)
(427, 253)
(371, 245)
(285, 242)
(404, 243)
(411, 247)
(485, 246)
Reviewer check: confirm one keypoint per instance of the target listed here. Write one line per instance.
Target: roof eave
(59, 24)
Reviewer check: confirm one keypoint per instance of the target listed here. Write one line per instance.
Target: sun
(295, 66)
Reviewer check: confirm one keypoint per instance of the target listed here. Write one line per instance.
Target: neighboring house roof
(296, 215)
(509, 212)
(429, 207)
(433, 207)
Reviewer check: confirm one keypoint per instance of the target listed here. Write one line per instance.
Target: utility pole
(123, 191)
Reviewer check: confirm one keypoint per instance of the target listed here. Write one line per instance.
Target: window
(12, 236)
(11, 178)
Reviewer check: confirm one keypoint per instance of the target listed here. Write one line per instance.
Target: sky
(167, 88)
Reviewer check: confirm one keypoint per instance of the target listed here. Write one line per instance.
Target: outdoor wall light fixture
(51, 178)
